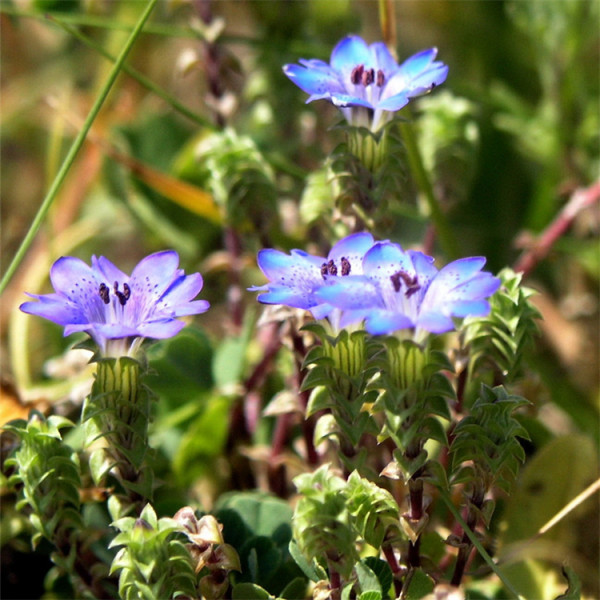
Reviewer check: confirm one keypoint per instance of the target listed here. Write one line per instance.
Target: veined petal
(107, 304)
(54, 308)
(289, 270)
(195, 307)
(184, 288)
(314, 81)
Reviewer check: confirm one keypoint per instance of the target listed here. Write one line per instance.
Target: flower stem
(486, 557)
(444, 234)
(75, 147)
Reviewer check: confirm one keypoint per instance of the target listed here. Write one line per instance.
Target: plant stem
(139, 77)
(539, 249)
(74, 149)
(486, 557)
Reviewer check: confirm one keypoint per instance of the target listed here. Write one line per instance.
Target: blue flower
(295, 278)
(400, 290)
(117, 310)
(365, 82)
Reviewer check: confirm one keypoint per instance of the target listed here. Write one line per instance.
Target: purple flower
(400, 290)
(117, 310)
(365, 81)
(295, 278)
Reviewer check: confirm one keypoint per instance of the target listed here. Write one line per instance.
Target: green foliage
(239, 178)
(374, 512)
(152, 562)
(259, 526)
(321, 522)
(340, 370)
(501, 339)
(118, 409)
(413, 397)
(485, 448)
(47, 477)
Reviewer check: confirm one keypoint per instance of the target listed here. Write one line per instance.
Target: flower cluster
(117, 310)
(365, 81)
(379, 283)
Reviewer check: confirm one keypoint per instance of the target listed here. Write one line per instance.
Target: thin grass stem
(74, 149)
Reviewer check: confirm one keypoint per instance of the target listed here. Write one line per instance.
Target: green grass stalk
(74, 149)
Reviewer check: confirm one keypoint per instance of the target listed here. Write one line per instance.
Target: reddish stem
(581, 199)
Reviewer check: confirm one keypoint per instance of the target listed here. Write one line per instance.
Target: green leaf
(294, 590)
(420, 585)
(249, 591)
(308, 569)
(367, 580)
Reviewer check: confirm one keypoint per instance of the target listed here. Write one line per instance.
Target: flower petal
(381, 322)
(350, 52)
(107, 272)
(314, 81)
(54, 308)
(435, 322)
(350, 293)
(383, 59)
(353, 248)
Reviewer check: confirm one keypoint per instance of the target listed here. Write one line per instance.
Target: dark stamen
(380, 80)
(412, 284)
(122, 296)
(356, 75)
(324, 270)
(103, 292)
(368, 77)
(345, 266)
(331, 268)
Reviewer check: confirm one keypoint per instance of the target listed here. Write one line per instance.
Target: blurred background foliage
(217, 169)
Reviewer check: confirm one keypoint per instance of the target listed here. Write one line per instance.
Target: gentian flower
(116, 310)
(294, 278)
(400, 290)
(365, 81)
